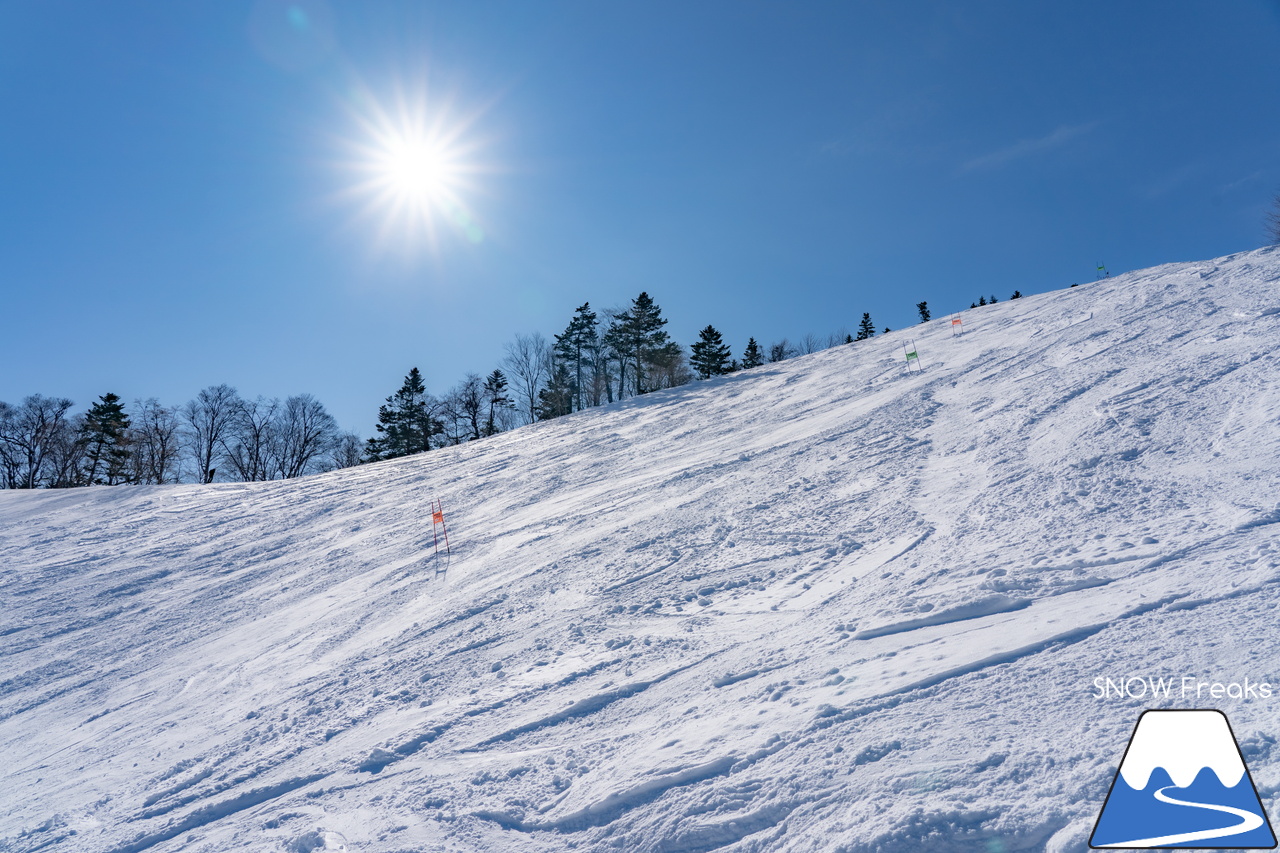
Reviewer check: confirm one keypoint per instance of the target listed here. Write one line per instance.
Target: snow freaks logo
(1186, 687)
(1183, 783)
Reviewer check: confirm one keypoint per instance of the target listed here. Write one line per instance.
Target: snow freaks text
(1179, 687)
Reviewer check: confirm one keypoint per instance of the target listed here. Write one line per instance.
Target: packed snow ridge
(825, 604)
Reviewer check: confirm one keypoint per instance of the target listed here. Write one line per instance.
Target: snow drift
(824, 604)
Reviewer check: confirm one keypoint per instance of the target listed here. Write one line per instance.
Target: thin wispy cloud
(1027, 147)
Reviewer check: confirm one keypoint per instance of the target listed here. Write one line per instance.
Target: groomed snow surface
(821, 605)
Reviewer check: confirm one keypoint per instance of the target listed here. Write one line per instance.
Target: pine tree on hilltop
(992, 300)
(752, 356)
(637, 337)
(1017, 294)
(495, 397)
(711, 355)
(982, 300)
(577, 348)
(406, 422)
(866, 328)
(106, 438)
(923, 308)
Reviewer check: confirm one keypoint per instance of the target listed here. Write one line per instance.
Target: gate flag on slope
(1183, 783)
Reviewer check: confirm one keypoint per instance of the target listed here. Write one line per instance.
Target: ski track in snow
(820, 605)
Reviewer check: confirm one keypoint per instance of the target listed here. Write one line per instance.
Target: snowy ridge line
(150, 810)
(919, 540)
(471, 647)
(582, 673)
(1096, 564)
(105, 712)
(990, 606)
(627, 582)
(608, 809)
(732, 829)
(1240, 592)
(160, 796)
(380, 757)
(218, 811)
(50, 696)
(1179, 553)
(901, 694)
(733, 678)
(582, 707)
(1272, 517)
(419, 633)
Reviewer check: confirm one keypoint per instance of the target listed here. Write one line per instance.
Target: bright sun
(414, 169)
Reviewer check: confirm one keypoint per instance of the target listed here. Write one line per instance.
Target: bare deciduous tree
(810, 343)
(347, 451)
(207, 419)
(303, 432)
(9, 464)
(667, 367)
(154, 432)
(34, 440)
(528, 362)
(248, 446)
(1273, 221)
(471, 400)
(65, 463)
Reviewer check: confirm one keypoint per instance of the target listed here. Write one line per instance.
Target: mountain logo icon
(1183, 783)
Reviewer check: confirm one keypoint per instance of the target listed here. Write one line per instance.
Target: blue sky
(180, 201)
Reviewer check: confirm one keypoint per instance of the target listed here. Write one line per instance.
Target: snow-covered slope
(824, 604)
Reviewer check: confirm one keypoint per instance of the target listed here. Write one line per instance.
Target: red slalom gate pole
(437, 517)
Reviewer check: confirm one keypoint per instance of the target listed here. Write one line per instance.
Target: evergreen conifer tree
(406, 422)
(710, 355)
(556, 398)
(495, 395)
(923, 308)
(1017, 294)
(992, 300)
(752, 356)
(886, 331)
(636, 336)
(105, 433)
(577, 347)
(866, 328)
(982, 300)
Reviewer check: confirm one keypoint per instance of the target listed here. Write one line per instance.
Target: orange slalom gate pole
(437, 517)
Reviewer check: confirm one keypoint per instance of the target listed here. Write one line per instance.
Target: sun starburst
(414, 166)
